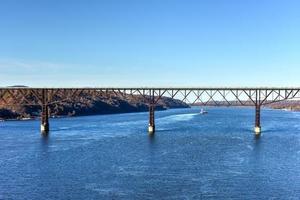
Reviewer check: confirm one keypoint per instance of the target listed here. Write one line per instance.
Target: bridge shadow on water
(45, 139)
(151, 137)
(45, 143)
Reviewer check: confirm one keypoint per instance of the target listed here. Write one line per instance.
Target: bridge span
(202, 96)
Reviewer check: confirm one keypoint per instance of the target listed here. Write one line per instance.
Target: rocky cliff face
(85, 104)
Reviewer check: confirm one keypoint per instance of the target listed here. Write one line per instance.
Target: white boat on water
(202, 111)
(26, 118)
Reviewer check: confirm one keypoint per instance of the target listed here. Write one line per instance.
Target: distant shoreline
(289, 105)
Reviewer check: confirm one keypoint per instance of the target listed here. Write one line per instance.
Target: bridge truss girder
(194, 96)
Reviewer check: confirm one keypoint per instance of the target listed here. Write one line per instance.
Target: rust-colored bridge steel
(204, 96)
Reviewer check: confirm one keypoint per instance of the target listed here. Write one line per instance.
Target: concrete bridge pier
(44, 114)
(151, 127)
(257, 128)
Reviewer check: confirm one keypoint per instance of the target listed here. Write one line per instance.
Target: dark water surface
(192, 156)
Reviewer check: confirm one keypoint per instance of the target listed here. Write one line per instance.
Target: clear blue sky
(150, 42)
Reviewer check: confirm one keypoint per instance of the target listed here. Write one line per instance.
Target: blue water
(192, 156)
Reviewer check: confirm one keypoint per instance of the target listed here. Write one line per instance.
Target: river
(191, 156)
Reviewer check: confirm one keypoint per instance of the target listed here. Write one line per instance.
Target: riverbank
(85, 104)
(286, 105)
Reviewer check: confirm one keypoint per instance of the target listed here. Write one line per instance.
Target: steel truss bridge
(202, 96)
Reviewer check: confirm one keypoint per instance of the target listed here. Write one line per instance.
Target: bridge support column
(257, 128)
(151, 128)
(45, 114)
